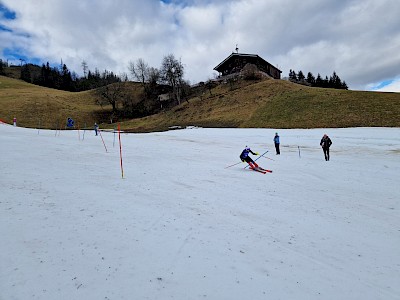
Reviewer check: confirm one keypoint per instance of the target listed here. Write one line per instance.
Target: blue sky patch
(177, 2)
(383, 84)
(4, 28)
(6, 13)
(17, 57)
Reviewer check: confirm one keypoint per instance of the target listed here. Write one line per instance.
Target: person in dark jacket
(276, 142)
(244, 156)
(325, 144)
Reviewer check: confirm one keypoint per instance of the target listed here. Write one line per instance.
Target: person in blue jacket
(276, 142)
(96, 128)
(70, 123)
(244, 156)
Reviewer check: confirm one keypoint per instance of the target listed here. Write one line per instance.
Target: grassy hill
(263, 104)
(279, 104)
(36, 106)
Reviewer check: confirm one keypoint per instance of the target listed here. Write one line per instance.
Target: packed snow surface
(181, 225)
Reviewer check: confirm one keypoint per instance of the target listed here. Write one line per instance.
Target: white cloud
(358, 39)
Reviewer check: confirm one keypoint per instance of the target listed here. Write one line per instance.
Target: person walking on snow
(244, 156)
(325, 144)
(276, 142)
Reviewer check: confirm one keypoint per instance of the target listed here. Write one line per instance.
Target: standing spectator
(325, 144)
(70, 123)
(15, 121)
(276, 142)
(96, 127)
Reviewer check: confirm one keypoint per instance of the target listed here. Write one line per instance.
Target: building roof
(217, 68)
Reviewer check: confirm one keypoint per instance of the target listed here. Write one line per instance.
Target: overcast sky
(359, 39)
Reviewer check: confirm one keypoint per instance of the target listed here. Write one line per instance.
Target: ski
(261, 170)
(258, 170)
(266, 170)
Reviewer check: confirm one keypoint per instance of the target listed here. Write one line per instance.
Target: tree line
(110, 88)
(3, 65)
(167, 80)
(62, 78)
(333, 81)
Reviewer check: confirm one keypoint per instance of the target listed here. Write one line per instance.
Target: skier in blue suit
(244, 156)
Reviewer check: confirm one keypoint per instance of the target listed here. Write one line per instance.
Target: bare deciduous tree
(172, 72)
(139, 70)
(85, 68)
(154, 76)
(111, 94)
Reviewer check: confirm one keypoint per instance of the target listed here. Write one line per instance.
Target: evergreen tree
(292, 75)
(310, 79)
(334, 81)
(46, 74)
(319, 82)
(1, 67)
(25, 73)
(325, 82)
(300, 76)
(337, 82)
(66, 79)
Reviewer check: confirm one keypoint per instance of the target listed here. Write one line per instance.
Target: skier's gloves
(257, 153)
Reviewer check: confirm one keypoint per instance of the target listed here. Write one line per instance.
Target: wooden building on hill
(235, 63)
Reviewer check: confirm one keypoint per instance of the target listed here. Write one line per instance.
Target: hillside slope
(279, 104)
(264, 104)
(36, 106)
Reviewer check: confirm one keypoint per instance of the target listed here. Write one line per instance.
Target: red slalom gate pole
(120, 149)
(103, 141)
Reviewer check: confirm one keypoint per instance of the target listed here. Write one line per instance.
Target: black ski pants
(277, 148)
(326, 152)
(248, 159)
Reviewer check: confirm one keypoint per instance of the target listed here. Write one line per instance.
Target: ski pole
(232, 165)
(258, 158)
(269, 158)
(299, 151)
